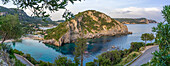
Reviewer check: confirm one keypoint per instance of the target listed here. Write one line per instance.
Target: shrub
(146, 64)
(142, 48)
(18, 52)
(31, 59)
(125, 52)
(18, 63)
(42, 63)
(110, 58)
(135, 46)
(90, 64)
(148, 44)
(63, 61)
(129, 58)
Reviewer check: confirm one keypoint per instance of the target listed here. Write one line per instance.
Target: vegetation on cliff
(89, 21)
(93, 20)
(57, 32)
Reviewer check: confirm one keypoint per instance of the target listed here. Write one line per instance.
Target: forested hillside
(23, 17)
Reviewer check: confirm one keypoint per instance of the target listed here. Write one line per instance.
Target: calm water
(96, 46)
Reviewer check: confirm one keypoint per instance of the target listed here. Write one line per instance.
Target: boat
(113, 46)
(87, 43)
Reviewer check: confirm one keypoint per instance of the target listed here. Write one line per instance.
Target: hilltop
(23, 17)
(135, 20)
(89, 24)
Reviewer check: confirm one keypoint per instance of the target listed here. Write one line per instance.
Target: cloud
(123, 12)
(135, 12)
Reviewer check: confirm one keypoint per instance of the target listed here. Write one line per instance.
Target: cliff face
(135, 20)
(89, 24)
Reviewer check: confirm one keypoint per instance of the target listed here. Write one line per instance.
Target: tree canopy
(63, 61)
(80, 48)
(151, 37)
(40, 7)
(162, 57)
(10, 27)
(145, 37)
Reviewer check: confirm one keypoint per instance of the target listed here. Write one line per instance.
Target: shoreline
(23, 38)
(52, 42)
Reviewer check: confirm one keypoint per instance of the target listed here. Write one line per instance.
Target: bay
(48, 53)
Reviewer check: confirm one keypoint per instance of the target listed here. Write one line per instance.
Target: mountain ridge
(135, 20)
(23, 17)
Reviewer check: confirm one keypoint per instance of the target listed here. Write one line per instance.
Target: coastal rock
(88, 24)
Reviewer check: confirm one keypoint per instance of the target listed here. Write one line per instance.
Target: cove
(96, 46)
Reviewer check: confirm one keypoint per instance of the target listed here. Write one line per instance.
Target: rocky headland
(135, 20)
(87, 24)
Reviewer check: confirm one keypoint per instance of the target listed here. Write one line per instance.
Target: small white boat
(113, 47)
(87, 43)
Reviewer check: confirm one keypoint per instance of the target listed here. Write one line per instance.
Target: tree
(145, 37)
(39, 7)
(135, 46)
(80, 48)
(109, 58)
(63, 61)
(151, 37)
(10, 27)
(90, 64)
(162, 57)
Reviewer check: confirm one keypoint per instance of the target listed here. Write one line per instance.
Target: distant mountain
(60, 21)
(135, 20)
(23, 17)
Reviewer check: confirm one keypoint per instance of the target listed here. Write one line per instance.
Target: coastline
(24, 38)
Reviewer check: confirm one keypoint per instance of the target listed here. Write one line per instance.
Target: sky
(150, 9)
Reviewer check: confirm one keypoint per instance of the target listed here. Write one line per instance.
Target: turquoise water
(48, 53)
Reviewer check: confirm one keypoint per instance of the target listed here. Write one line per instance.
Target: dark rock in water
(129, 32)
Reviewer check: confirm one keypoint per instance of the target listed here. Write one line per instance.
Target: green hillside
(135, 20)
(23, 17)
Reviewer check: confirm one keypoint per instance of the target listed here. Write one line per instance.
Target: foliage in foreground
(60, 61)
(109, 58)
(162, 57)
(18, 63)
(10, 27)
(63, 61)
(40, 7)
(80, 48)
(129, 58)
(120, 57)
(7, 57)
